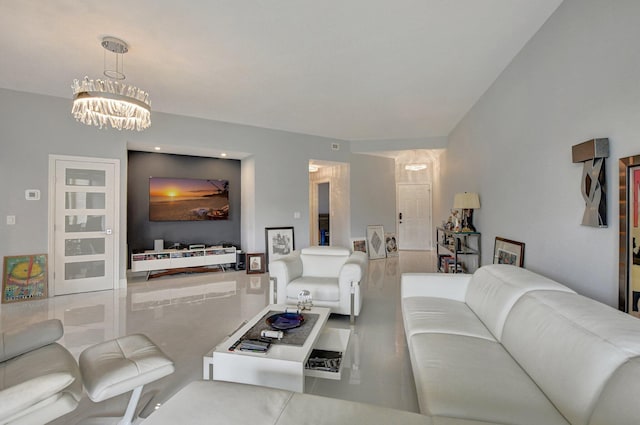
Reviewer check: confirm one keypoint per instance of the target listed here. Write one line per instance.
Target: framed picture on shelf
(255, 263)
(359, 244)
(376, 242)
(506, 251)
(279, 242)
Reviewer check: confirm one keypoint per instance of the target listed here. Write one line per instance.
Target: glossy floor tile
(188, 315)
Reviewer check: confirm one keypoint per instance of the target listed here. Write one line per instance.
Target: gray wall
(577, 79)
(141, 232)
(373, 194)
(274, 175)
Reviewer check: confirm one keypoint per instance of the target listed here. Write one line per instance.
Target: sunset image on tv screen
(173, 199)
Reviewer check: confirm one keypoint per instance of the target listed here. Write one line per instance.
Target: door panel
(414, 217)
(85, 213)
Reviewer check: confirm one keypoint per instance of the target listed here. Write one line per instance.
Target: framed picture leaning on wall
(255, 263)
(376, 242)
(359, 244)
(506, 251)
(279, 241)
(25, 277)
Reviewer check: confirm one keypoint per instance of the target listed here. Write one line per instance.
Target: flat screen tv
(172, 199)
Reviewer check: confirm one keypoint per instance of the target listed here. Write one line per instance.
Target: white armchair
(331, 274)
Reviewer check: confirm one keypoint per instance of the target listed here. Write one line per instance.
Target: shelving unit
(182, 259)
(458, 252)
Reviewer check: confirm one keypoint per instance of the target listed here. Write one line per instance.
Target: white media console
(184, 260)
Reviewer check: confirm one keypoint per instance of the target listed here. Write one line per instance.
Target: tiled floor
(189, 314)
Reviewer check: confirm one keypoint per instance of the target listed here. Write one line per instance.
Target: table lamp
(467, 202)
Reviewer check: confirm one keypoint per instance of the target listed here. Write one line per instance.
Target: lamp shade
(466, 200)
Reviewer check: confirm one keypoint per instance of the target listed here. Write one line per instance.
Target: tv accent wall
(141, 232)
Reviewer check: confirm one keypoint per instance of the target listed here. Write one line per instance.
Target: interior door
(84, 235)
(414, 217)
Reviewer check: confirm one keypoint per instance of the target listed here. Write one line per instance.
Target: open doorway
(329, 205)
(324, 222)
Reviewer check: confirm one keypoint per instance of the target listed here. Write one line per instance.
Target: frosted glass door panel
(85, 200)
(84, 270)
(89, 246)
(84, 223)
(85, 177)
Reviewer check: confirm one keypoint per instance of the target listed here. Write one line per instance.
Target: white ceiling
(349, 69)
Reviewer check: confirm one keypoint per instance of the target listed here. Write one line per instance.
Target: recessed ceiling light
(313, 168)
(157, 148)
(223, 154)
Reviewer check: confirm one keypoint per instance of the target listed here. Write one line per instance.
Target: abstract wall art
(592, 154)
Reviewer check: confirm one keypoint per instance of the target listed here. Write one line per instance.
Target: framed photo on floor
(279, 242)
(255, 263)
(376, 242)
(506, 251)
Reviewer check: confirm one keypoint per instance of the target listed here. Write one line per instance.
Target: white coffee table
(280, 367)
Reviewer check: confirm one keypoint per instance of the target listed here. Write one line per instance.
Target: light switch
(11, 220)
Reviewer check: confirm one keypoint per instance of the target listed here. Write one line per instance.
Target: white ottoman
(123, 364)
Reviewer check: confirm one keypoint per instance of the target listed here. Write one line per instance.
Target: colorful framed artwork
(359, 244)
(255, 263)
(24, 278)
(279, 241)
(506, 251)
(376, 242)
(629, 272)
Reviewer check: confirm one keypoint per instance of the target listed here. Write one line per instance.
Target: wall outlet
(11, 220)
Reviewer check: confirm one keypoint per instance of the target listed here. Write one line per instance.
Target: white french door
(85, 213)
(414, 217)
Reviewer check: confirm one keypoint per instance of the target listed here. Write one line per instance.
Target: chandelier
(101, 102)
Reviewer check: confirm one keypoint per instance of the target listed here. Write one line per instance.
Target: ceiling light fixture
(101, 102)
(415, 167)
(313, 168)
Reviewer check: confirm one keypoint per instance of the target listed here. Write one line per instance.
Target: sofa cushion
(572, 347)
(321, 288)
(494, 289)
(476, 379)
(441, 315)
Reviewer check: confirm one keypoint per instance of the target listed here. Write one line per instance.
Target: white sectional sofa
(508, 346)
(503, 346)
